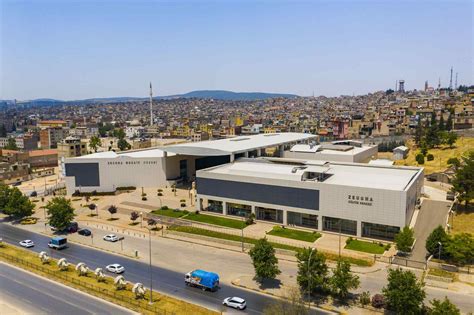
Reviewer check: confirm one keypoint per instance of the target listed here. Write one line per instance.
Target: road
(432, 214)
(164, 280)
(31, 294)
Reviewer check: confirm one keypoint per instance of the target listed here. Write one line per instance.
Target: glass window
(214, 206)
(239, 209)
(379, 231)
(302, 219)
(342, 225)
(267, 214)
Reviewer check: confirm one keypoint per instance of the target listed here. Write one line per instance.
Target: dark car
(84, 232)
(34, 194)
(72, 228)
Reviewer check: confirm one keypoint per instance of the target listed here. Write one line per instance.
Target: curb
(324, 307)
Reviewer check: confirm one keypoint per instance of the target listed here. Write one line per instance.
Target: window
(379, 231)
(342, 225)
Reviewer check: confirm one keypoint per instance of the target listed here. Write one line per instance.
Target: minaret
(451, 79)
(456, 82)
(151, 105)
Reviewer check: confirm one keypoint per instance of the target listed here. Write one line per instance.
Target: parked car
(111, 238)
(27, 243)
(73, 227)
(85, 232)
(115, 268)
(235, 302)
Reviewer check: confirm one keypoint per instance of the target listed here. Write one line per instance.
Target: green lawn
(248, 240)
(367, 247)
(170, 213)
(211, 219)
(295, 234)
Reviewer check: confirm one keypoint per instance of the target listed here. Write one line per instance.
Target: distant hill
(229, 95)
(204, 94)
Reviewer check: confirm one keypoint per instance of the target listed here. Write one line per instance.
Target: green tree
(404, 239)
(119, 133)
(123, 145)
(343, 280)
(418, 132)
(449, 123)
(460, 248)
(420, 158)
(444, 307)
(403, 293)
(451, 138)
(18, 205)
(454, 161)
(463, 181)
(60, 212)
(5, 191)
(438, 235)
(441, 124)
(264, 260)
(11, 144)
(312, 276)
(95, 143)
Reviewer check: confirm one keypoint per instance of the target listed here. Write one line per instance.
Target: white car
(111, 238)
(235, 302)
(27, 243)
(115, 268)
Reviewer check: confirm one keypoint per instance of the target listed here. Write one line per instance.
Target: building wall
(326, 155)
(380, 206)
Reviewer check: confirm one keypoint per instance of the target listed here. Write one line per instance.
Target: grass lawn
(203, 232)
(441, 155)
(295, 234)
(170, 213)
(367, 247)
(89, 284)
(441, 273)
(210, 219)
(463, 222)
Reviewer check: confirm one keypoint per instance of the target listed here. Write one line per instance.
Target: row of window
(131, 162)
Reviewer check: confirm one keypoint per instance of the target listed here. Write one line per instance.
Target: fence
(401, 261)
(113, 296)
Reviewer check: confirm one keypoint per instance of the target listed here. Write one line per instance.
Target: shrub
(350, 239)
(164, 208)
(364, 298)
(144, 198)
(430, 157)
(126, 188)
(388, 246)
(378, 301)
(160, 190)
(160, 194)
(183, 205)
(250, 220)
(186, 212)
(420, 158)
(143, 194)
(182, 200)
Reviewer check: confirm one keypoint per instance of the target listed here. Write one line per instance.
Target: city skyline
(90, 49)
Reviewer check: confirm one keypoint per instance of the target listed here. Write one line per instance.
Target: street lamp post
(151, 273)
(309, 279)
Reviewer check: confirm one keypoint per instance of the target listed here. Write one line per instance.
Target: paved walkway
(432, 214)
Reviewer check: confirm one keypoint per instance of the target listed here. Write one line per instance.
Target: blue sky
(84, 49)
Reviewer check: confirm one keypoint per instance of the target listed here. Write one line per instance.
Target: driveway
(432, 214)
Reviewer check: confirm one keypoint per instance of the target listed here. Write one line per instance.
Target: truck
(58, 242)
(202, 279)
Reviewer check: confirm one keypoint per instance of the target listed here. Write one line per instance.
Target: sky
(85, 49)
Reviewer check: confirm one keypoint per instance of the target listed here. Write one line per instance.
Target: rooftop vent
(239, 139)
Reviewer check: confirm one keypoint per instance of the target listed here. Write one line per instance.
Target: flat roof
(327, 148)
(345, 174)
(147, 153)
(237, 144)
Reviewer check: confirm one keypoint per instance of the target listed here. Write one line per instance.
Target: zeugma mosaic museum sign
(360, 200)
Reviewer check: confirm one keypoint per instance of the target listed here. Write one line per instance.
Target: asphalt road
(432, 214)
(35, 295)
(164, 280)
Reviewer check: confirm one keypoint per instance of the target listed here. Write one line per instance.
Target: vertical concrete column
(246, 154)
(259, 152)
(359, 228)
(232, 157)
(280, 150)
(253, 210)
(320, 223)
(224, 208)
(285, 217)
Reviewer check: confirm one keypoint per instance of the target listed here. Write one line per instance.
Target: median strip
(104, 288)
